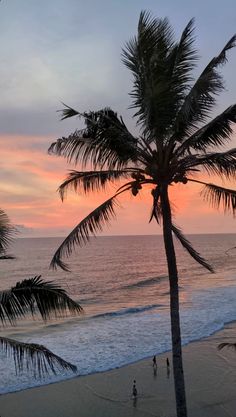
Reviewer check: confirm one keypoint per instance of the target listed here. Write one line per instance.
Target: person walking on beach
(168, 368)
(135, 392)
(154, 361)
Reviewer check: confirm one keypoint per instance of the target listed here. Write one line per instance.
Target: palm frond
(148, 57)
(90, 181)
(7, 232)
(185, 57)
(68, 112)
(152, 34)
(220, 163)
(35, 294)
(105, 141)
(156, 209)
(192, 252)
(228, 250)
(201, 98)
(34, 358)
(81, 234)
(156, 213)
(214, 133)
(226, 345)
(220, 197)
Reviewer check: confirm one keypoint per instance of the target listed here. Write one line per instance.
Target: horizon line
(153, 234)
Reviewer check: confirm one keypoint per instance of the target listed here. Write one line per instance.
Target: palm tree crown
(177, 139)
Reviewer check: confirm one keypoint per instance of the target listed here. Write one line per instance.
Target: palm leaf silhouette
(34, 358)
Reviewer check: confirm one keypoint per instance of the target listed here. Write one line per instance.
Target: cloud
(23, 230)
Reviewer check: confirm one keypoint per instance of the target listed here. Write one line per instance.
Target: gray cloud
(69, 50)
(22, 229)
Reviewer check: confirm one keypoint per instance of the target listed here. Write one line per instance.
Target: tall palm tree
(31, 296)
(176, 142)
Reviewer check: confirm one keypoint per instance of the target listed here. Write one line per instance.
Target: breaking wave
(146, 282)
(125, 311)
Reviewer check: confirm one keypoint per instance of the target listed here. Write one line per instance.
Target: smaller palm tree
(32, 296)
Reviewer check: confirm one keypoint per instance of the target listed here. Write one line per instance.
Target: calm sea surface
(122, 284)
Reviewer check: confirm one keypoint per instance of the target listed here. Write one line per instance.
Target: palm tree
(31, 296)
(6, 233)
(176, 141)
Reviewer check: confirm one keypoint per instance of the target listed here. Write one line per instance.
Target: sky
(69, 51)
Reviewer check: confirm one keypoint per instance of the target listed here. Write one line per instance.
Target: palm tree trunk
(180, 397)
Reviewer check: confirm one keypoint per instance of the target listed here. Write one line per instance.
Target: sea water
(121, 282)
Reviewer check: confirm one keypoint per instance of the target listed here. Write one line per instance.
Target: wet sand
(210, 386)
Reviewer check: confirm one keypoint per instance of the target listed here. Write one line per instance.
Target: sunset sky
(70, 51)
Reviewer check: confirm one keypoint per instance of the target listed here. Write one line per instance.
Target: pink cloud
(30, 178)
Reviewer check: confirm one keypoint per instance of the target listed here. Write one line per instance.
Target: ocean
(121, 282)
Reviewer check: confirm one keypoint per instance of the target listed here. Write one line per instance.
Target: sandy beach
(210, 384)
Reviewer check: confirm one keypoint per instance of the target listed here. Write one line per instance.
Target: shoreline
(208, 372)
(146, 358)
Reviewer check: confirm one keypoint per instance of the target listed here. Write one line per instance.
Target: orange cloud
(30, 178)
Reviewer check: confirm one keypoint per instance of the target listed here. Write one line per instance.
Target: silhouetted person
(154, 361)
(135, 392)
(167, 368)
